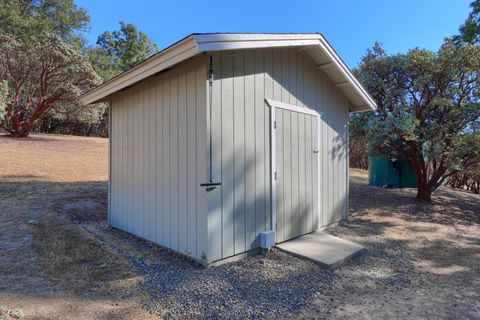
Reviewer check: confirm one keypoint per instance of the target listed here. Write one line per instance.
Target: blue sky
(351, 26)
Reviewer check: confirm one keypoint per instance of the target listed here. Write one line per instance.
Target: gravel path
(414, 267)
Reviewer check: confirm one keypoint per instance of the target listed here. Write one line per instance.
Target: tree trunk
(20, 132)
(424, 193)
(20, 128)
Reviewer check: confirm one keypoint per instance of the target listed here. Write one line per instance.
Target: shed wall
(158, 159)
(239, 209)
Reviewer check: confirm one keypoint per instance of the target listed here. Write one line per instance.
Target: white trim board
(278, 104)
(273, 170)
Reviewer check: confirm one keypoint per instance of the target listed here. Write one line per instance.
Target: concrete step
(324, 249)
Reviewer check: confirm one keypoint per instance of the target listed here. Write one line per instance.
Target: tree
(428, 109)
(37, 76)
(27, 18)
(358, 144)
(120, 50)
(470, 30)
(71, 120)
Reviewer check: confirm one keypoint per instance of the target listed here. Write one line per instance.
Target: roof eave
(198, 43)
(345, 71)
(180, 51)
(361, 108)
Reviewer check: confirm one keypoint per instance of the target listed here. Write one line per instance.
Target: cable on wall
(211, 78)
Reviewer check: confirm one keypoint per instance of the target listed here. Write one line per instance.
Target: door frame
(273, 104)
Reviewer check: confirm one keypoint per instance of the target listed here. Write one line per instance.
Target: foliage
(470, 30)
(120, 50)
(428, 109)
(102, 64)
(25, 20)
(358, 144)
(358, 152)
(28, 18)
(39, 78)
(115, 52)
(86, 121)
(467, 180)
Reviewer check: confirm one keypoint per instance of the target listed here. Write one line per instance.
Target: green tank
(391, 173)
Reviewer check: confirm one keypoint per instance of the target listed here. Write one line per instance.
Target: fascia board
(165, 59)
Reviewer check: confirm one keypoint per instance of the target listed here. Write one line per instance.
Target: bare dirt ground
(60, 260)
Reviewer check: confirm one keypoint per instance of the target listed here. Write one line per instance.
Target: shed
(223, 137)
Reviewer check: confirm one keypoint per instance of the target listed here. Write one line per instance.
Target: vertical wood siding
(239, 209)
(159, 146)
(158, 154)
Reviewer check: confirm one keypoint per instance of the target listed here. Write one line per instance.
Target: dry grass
(450, 207)
(60, 260)
(53, 158)
(51, 266)
(433, 251)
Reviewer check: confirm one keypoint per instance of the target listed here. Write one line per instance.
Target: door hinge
(275, 124)
(275, 175)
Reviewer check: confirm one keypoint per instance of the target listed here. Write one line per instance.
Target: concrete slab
(322, 248)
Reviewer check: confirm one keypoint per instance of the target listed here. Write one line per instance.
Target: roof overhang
(314, 44)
